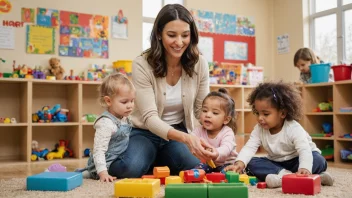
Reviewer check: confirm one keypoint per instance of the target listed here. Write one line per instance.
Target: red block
(194, 175)
(215, 177)
(162, 181)
(261, 185)
(301, 184)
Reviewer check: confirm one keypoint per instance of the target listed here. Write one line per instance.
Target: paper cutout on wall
(245, 26)
(27, 15)
(47, 17)
(83, 35)
(5, 6)
(225, 23)
(235, 51)
(283, 44)
(40, 40)
(119, 26)
(204, 20)
(206, 47)
(7, 37)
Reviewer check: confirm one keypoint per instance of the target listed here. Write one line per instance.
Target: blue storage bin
(320, 72)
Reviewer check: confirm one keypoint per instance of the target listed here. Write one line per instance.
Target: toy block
(186, 191)
(244, 178)
(301, 184)
(137, 187)
(161, 171)
(232, 177)
(215, 177)
(173, 180)
(162, 181)
(194, 175)
(54, 181)
(149, 177)
(227, 190)
(261, 185)
(252, 180)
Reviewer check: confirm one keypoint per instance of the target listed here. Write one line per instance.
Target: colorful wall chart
(83, 35)
(40, 40)
(47, 17)
(27, 15)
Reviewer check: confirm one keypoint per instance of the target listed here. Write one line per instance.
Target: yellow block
(137, 187)
(173, 180)
(50, 77)
(244, 178)
(126, 64)
(182, 176)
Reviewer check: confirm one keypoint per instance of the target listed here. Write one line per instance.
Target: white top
(173, 107)
(290, 142)
(224, 143)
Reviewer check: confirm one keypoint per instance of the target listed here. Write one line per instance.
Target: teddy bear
(55, 68)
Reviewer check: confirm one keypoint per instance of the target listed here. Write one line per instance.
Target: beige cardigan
(151, 94)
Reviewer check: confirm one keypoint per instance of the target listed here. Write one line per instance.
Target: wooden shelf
(56, 124)
(13, 125)
(322, 138)
(344, 139)
(319, 113)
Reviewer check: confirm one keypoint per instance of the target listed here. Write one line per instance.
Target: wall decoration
(206, 47)
(235, 51)
(283, 44)
(119, 26)
(225, 23)
(7, 37)
(40, 40)
(83, 35)
(245, 26)
(12, 23)
(204, 20)
(27, 15)
(5, 6)
(47, 17)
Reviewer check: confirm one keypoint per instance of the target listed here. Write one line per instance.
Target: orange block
(161, 171)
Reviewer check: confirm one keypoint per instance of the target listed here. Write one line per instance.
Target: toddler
(113, 127)
(289, 147)
(217, 130)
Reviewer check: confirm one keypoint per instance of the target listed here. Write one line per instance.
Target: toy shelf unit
(327, 107)
(13, 141)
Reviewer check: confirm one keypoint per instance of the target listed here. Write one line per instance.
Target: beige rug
(90, 188)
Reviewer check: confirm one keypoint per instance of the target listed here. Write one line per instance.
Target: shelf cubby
(342, 145)
(315, 95)
(88, 137)
(342, 96)
(343, 125)
(251, 121)
(314, 123)
(246, 92)
(90, 99)
(13, 144)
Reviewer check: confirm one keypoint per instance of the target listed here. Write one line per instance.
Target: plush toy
(55, 68)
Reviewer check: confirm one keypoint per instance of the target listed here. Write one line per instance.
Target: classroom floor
(13, 184)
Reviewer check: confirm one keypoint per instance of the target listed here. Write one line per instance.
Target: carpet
(17, 188)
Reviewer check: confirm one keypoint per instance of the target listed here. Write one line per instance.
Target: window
(150, 10)
(331, 30)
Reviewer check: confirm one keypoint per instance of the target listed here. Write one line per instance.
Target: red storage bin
(342, 72)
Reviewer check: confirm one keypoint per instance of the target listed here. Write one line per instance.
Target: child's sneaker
(326, 179)
(275, 180)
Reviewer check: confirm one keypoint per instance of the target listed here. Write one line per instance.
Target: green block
(227, 190)
(186, 191)
(232, 177)
(253, 180)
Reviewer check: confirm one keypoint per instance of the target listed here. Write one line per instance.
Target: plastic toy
(86, 152)
(244, 179)
(38, 153)
(328, 152)
(215, 177)
(13, 121)
(252, 180)
(89, 118)
(54, 181)
(227, 190)
(173, 180)
(327, 127)
(160, 172)
(301, 184)
(194, 175)
(261, 185)
(346, 155)
(60, 152)
(186, 190)
(56, 168)
(56, 114)
(137, 187)
(324, 107)
(7, 121)
(232, 177)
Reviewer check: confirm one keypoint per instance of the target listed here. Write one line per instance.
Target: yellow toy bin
(126, 64)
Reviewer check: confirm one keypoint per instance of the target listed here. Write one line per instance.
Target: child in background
(303, 58)
(289, 147)
(218, 129)
(112, 128)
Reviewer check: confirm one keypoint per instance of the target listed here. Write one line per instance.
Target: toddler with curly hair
(290, 149)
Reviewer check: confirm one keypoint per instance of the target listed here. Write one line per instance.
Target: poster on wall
(225, 23)
(27, 15)
(40, 40)
(206, 47)
(119, 26)
(283, 44)
(204, 20)
(235, 51)
(7, 37)
(83, 35)
(245, 26)
(47, 17)
(5, 6)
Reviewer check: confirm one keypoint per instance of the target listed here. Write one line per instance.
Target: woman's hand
(237, 167)
(197, 147)
(214, 152)
(303, 171)
(105, 177)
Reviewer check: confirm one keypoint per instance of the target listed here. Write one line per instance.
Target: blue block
(54, 181)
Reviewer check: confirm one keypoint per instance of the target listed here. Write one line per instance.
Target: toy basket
(126, 64)
(342, 72)
(320, 72)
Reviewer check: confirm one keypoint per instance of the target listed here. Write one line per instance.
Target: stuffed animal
(55, 68)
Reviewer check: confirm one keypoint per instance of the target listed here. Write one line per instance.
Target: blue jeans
(262, 166)
(146, 149)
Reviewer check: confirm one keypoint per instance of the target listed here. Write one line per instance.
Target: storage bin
(126, 64)
(320, 72)
(342, 72)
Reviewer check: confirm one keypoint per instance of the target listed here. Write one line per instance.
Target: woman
(171, 80)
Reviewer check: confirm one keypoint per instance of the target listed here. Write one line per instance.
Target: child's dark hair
(283, 96)
(228, 105)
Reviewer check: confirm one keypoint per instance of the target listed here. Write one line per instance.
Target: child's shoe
(275, 180)
(326, 179)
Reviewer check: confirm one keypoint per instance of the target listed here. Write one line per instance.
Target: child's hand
(303, 171)
(237, 167)
(214, 153)
(105, 177)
